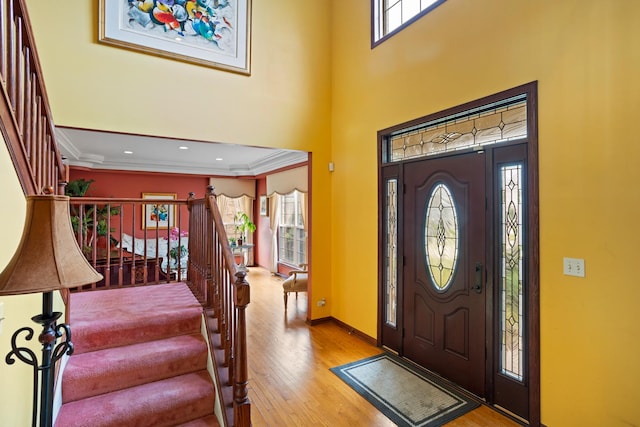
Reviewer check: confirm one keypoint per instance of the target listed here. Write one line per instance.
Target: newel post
(241, 403)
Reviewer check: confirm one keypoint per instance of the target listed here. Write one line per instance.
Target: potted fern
(243, 225)
(84, 224)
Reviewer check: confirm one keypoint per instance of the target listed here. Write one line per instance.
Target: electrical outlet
(573, 267)
(322, 302)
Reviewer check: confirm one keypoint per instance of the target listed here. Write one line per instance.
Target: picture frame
(158, 215)
(264, 206)
(198, 32)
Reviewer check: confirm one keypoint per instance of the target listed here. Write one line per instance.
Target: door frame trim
(533, 220)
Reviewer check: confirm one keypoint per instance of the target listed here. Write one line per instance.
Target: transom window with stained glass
(494, 123)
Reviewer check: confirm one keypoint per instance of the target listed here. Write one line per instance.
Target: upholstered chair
(296, 282)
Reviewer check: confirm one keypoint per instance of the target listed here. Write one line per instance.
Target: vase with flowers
(178, 252)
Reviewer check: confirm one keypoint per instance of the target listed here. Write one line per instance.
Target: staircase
(139, 360)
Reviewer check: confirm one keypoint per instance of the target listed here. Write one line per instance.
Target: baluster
(4, 39)
(241, 404)
(11, 40)
(19, 77)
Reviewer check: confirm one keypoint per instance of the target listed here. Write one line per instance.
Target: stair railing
(25, 117)
(26, 122)
(225, 293)
(117, 242)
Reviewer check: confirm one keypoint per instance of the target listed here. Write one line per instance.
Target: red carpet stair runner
(139, 360)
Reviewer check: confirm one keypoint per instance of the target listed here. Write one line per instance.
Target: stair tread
(168, 402)
(103, 371)
(117, 317)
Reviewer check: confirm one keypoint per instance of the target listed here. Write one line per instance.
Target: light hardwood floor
(289, 379)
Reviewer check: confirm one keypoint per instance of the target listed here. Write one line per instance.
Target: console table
(242, 250)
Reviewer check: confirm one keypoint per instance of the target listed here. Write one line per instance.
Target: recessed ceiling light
(128, 152)
(218, 158)
(183, 147)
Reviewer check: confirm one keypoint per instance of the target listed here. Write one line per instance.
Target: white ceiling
(106, 150)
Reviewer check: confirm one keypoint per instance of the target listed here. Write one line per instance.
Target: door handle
(477, 286)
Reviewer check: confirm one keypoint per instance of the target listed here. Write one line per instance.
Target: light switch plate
(573, 267)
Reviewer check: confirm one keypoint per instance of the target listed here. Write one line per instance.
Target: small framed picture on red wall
(264, 206)
(159, 214)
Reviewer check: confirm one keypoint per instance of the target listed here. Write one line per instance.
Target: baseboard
(351, 330)
(507, 413)
(315, 322)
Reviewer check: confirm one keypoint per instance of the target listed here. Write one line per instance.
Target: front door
(444, 267)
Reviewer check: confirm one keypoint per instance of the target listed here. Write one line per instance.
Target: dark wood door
(444, 247)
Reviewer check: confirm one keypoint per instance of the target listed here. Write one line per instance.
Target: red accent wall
(133, 184)
(263, 233)
(126, 184)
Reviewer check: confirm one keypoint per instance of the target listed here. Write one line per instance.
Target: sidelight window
(512, 278)
(391, 255)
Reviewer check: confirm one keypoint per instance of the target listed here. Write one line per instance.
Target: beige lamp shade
(48, 257)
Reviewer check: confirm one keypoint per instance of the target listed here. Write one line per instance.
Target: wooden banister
(241, 296)
(226, 294)
(25, 117)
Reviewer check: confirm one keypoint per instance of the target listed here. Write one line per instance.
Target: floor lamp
(48, 258)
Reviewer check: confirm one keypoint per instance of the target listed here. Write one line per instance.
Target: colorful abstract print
(203, 22)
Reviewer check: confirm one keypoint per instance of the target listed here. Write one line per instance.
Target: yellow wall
(284, 103)
(585, 56)
(15, 392)
(316, 85)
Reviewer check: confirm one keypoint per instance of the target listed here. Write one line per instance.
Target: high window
(390, 16)
(291, 231)
(230, 207)
(288, 219)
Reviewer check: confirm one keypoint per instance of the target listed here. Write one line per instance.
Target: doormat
(407, 395)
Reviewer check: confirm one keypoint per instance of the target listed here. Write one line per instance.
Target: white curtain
(274, 223)
(303, 207)
(305, 211)
(223, 204)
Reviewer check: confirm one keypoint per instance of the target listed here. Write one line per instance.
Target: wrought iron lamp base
(51, 353)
